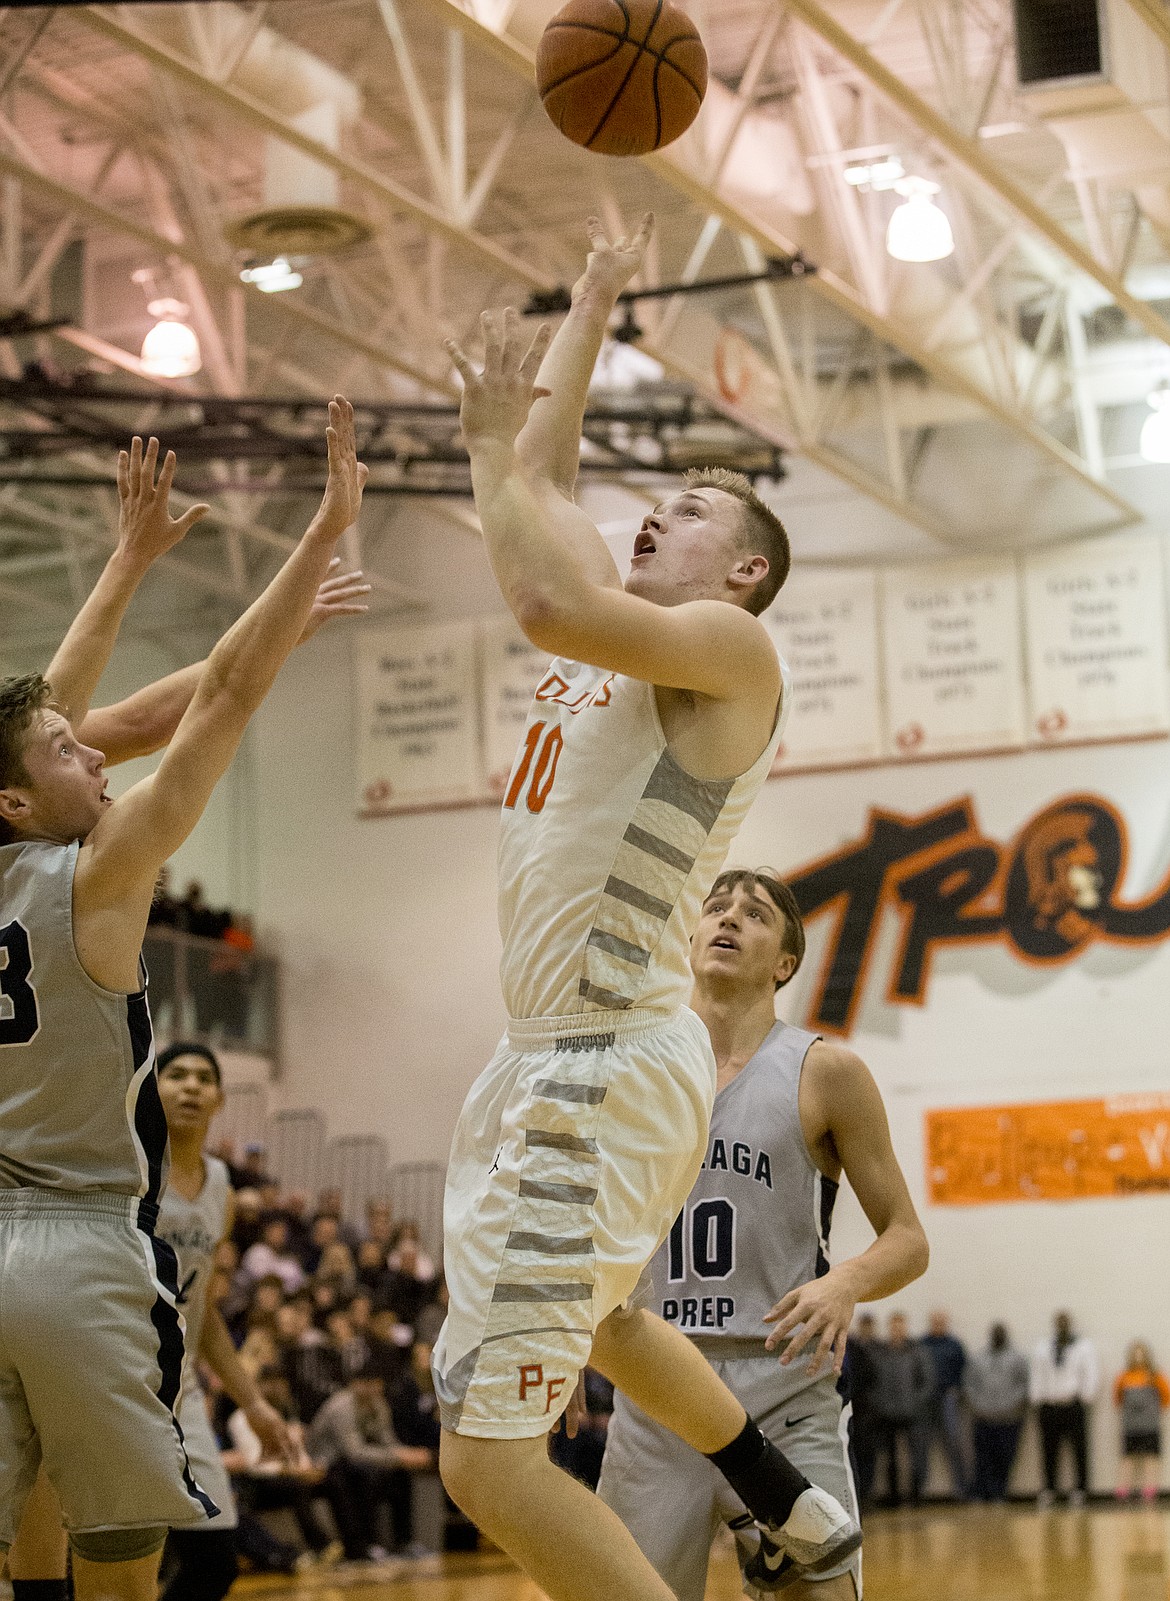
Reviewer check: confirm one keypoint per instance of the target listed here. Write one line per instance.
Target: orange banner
(1054, 1151)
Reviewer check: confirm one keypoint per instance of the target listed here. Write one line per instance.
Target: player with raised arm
(650, 734)
(91, 1341)
(751, 1249)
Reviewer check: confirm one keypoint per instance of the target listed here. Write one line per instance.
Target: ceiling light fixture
(273, 277)
(1154, 444)
(171, 348)
(882, 174)
(919, 230)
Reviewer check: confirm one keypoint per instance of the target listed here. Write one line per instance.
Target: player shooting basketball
(648, 739)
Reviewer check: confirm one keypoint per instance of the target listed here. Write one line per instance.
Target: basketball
(621, 77)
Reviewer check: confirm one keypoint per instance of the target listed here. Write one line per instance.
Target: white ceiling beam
(69, 198)
(394, 195)
(972, 157)
(672, 167)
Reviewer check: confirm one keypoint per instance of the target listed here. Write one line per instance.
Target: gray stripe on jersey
(587, 1094)
(702, 798)
(576, 1194)
(616, 946)
(660, 848)
(549, 1244)
(608, 1000)
(193, 1229)
(538, 1137)
(639, 898)
(543, 1292)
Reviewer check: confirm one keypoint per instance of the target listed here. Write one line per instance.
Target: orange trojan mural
(1047, 895)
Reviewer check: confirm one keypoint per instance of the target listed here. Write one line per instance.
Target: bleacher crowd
(336, 1323)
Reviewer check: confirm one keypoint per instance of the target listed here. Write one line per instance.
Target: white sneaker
(819, 1532)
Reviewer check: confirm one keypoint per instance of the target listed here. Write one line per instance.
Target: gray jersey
(193, 1229)
(756, 1224)
(79, 1102)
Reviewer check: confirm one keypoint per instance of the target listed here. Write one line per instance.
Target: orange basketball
(621, 77)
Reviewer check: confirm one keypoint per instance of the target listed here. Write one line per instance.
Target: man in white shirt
(1063, 1378)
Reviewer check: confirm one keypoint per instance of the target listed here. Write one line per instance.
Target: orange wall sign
(1053, 1151)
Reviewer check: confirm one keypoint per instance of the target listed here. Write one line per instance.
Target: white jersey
(608, 848)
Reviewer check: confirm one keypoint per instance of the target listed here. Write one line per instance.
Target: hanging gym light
(919, 230)
(171, 348)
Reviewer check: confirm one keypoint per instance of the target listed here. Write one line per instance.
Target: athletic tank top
(756, 1224)
(193, 1229)
(607, 849)
(79, 1103)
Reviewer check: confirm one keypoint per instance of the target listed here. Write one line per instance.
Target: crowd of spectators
(189, 913)
(337, 1325)
(914, 1395)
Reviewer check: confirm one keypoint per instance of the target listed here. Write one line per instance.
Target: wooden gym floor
(931, 1554)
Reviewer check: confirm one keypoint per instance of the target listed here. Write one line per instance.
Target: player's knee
(117, 1545)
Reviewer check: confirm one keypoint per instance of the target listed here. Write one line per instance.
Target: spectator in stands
(410, 1278)
(194, 916)
(861, 1378)
(324, 1230)
(361, 1309)
(352, 1351)
(311, 1364)
(414, 1406)
(430, 1320)
(1141, 1395)
(336, 1267)
(902, 1394)
(253, 1173)
(239, 933)
(271, 1257)
(390, 1347)
(380, 1223)
(272, 1201)
(946, 1422)
(264, 1484)
(366, 1466)
(370, 1260)
(260, 1349)
(295, 1207)
(1063, 1379)
(995, 1382)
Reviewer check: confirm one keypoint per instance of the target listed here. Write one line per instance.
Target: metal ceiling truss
(860, 284)
(409, 448)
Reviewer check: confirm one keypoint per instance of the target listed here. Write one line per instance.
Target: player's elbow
(918, 1254)
(544, 618)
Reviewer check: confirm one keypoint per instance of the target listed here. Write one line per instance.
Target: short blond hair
(763, 532)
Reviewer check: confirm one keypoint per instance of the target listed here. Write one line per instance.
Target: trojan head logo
(1048, 894)
(1057, 887)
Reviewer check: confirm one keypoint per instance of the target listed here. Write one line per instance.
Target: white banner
(954, 675)
(418, 725)
(1097, 640)
(825, 627)
(512, 668)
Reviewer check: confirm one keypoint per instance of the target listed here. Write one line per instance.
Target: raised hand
(146, 529)
(497, 400)
(347, 475)
(339, 596)
(613, 262)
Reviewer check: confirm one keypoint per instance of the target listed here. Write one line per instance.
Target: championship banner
(824, 625)
(1059, 1151)
(418, 735)
(512, 668)
(954, 673)
(1097, 640)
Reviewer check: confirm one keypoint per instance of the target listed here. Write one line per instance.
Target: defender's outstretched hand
(613, 262)
(339, 596)
(146, 529)
(497, 400)
(347, 475)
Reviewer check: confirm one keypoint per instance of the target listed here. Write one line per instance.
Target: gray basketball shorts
(204, 1455)
(91, 1354)
(673, 1500)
